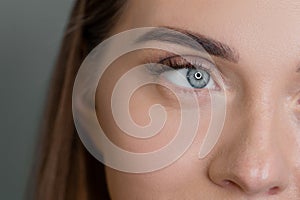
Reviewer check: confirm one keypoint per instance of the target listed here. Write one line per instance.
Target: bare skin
(258, 154)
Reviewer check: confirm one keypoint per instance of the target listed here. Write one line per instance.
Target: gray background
(31, 32)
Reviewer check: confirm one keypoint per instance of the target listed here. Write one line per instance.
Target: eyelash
(176, 62)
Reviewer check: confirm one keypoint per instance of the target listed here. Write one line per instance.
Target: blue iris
(198, 78)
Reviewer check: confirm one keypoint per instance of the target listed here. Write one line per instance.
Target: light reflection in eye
(188, 72)
(195, 78)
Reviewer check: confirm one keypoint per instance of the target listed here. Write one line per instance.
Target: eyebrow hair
(211, 46)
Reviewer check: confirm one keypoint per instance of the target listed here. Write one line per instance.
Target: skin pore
(258, 154)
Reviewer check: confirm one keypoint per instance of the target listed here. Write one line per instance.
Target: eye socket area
(190, 72)
(294, 105)
(190, 78)
(297, 102)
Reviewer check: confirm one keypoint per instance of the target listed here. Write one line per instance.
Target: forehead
(254, 27)
(259, 12)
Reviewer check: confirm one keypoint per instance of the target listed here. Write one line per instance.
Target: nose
(250, 157)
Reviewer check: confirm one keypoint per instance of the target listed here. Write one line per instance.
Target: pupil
(198, 75)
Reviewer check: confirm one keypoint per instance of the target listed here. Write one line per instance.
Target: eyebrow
(211, 46)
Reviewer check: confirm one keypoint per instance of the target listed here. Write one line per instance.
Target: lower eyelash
(185, 91)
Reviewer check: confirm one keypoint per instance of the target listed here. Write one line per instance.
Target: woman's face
(258, 153)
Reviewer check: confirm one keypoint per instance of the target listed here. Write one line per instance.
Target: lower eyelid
(171, 99)
(182, 90)
(186, 89)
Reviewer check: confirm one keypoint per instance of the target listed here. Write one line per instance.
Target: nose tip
(265, 176)
(249, 189)
(253, 185)
(253, 157)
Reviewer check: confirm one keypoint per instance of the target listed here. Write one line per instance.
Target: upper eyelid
(157, 67)
(157, 57)
(191, 59)
(212, 68)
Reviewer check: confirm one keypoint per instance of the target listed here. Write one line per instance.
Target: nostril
(229, 183)
(232, 184)
(226, 183)
(273, 190)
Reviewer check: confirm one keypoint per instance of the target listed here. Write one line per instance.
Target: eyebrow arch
(211, 46)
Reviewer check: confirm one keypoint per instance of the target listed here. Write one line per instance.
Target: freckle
(298, 101)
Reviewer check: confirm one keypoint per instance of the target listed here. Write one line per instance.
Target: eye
(188, 72)
(190, 78)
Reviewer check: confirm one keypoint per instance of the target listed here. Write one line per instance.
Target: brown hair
(65, 170)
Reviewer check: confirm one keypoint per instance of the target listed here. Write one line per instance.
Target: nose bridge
(260, 103)
(261, 124)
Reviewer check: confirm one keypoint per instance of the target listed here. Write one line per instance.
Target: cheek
(140, 104)
(167, 181)
(183, 179)
(160, 183)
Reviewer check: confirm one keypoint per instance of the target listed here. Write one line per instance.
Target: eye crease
(186, 72)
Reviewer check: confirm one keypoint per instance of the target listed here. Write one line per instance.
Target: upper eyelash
(175, 62)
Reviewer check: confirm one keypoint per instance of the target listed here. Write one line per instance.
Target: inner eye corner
(295, 103)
